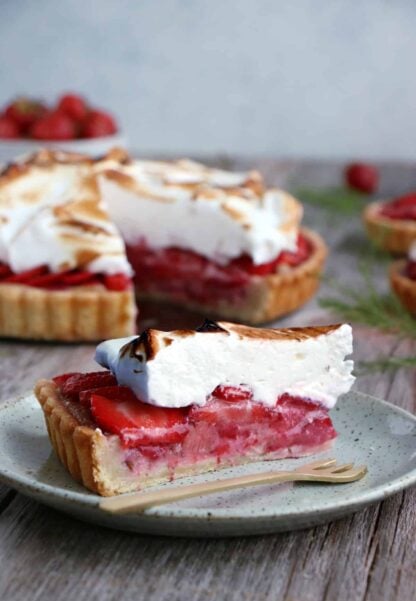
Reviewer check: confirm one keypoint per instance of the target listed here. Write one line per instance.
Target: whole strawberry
(363, 177)
(98, 124)
(24, 112)
(53, 126)
(74, 106)
(8, 128)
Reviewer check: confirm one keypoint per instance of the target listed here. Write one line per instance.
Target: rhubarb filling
(42, 277)
(231, 426)
(186, 275)
(403, 207)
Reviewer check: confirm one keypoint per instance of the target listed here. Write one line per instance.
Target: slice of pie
(403, 279)
(214, 241)
(392, 224)
(64, 274)
(172, 404)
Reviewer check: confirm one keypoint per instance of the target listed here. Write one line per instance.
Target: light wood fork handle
(143, 500)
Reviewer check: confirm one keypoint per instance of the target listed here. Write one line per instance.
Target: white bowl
(11, 149)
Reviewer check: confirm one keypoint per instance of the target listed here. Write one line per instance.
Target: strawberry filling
(230, 425)
(403, 207)
(186, 275)
(410, 270)
(42, 277)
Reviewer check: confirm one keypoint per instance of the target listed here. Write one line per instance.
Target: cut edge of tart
(393, 235)
(114, 439)
(403, 286)
(96, 459)
(81, 313)
(267, 297)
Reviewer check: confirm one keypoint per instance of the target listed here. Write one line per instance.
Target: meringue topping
(183, 367)
(218, 214)
(51, 214)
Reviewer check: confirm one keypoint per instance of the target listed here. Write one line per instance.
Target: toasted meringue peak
(51, 214)
(222, 214)
(183, 367)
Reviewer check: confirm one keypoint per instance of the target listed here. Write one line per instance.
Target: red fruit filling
(230, 425)
(41, 277)
(403, 207)
(186, 275)
(410, 270)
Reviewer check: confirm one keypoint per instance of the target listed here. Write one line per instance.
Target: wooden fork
(325, 470)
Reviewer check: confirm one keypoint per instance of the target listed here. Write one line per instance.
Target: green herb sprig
(337, 201)
(382, 311)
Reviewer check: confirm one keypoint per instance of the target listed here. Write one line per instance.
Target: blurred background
(290, 79)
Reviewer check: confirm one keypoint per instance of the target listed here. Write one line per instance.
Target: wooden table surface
(368, 556)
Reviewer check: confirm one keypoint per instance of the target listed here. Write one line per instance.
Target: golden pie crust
(96, 460)
(81, 313)
(393, 235)
(268, 297)
(404, 287)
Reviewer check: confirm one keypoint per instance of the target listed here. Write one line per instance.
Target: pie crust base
(96, 461)
(268, 297)
(404, 287)
(82, 313)
(393, 235)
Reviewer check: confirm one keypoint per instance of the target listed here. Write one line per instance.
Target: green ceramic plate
(371, 431)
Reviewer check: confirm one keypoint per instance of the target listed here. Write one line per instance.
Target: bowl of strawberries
(71, 124)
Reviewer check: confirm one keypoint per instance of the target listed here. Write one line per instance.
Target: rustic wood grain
(369, 556)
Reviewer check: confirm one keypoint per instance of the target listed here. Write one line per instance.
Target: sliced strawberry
(79, 382)
(218, 412)
(115, 393)
(232, 394)
(78, 278)
(26, 276)
(117, 281)
(47, 280)
(60, 380)
(138, 423)
(292, 259)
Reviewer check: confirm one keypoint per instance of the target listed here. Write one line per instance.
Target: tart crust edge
(393, 235)
(83, 313)
(404, 287)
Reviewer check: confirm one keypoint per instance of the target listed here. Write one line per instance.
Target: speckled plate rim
(326, 510)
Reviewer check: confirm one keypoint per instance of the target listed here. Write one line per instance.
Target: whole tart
(173, 404)
(82, 239)
(388, 223)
